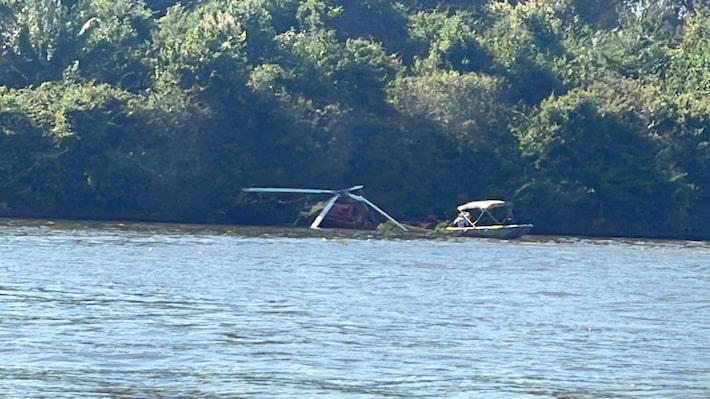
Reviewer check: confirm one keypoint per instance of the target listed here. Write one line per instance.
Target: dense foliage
(593, 116)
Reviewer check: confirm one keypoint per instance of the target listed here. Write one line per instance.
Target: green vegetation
(594, 117)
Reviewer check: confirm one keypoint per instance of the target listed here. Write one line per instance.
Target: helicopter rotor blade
(317, 221)
(287, 190)
(354, 188)
(375, 207)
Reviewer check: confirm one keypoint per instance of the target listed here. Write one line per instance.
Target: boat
(488, 219)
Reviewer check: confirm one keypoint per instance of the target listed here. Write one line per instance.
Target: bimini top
(482, 205)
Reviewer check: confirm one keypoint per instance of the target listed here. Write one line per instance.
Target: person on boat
(461, 220)
(509, 219)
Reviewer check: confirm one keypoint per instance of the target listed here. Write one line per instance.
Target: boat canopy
(482, 205)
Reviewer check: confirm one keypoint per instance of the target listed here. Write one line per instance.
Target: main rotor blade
(375, 207)
(317, 221)
(286, 190)
(354, 188)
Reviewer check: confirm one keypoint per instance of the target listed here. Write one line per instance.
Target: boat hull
(504, 231)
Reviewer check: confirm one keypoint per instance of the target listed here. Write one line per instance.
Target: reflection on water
(152, 310)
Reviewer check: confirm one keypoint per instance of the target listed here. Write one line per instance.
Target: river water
(175, 311)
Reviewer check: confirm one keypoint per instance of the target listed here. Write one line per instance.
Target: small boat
(489, 219)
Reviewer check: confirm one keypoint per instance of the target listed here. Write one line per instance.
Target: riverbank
(385, 230)
(592, 120)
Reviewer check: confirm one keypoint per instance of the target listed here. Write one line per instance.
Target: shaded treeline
(593, 116)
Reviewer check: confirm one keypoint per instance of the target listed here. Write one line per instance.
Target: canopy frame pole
(490, 215)
(478, 219)
(463, 215)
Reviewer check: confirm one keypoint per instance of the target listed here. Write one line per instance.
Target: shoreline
(223, 227)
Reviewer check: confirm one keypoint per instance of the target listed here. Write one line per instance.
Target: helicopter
(335, 195)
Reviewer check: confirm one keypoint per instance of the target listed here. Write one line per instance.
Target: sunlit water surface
(149, 310)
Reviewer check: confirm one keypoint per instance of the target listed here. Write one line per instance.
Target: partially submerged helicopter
(336, 194)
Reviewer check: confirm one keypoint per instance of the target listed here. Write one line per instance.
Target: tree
(36, 43)
(523, 39)
(24, 152)
(74, 130)
(592, 162)
(451, 42)
(201, 47)
(111, 37)
(328, 71)
(380, 21)
(470, 111)
(604, 14)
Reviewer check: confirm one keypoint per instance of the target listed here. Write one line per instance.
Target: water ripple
(91, 309)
